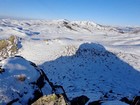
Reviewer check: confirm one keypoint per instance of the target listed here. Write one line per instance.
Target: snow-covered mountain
(97, 61)
(61, 26)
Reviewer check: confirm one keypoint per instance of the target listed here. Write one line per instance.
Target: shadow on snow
(92, 70)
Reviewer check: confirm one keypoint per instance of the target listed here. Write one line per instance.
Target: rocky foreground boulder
(22, 82)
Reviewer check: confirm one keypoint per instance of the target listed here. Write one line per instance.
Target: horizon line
(45, 19)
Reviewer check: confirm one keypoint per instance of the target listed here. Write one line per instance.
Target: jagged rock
(81, 100)
(8, 47)
(52, 99)
(95, 102)
(1, 70)
(126, 100)
(136, 101)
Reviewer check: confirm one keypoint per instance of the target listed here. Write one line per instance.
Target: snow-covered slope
(95, 72)
(101, 62)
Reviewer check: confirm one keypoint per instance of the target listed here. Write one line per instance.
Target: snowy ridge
(63, 26)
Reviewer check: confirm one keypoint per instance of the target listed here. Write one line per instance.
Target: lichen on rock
(52, 99)
(8, 47)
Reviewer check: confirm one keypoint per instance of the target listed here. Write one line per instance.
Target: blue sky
(110, 12)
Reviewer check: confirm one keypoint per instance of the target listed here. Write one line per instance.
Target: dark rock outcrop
(95, 102)
(126, 100)
(136, 101)
(81, 100)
